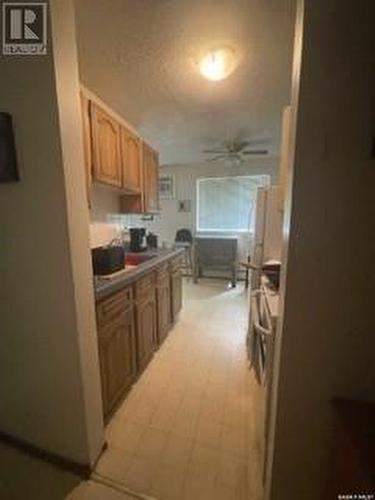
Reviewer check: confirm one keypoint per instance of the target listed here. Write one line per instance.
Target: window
(227, 204)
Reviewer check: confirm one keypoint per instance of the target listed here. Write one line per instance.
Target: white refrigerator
(267, 239)
(264, 301)
(266, 248)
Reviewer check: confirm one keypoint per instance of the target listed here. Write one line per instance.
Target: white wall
(104, 211)
(328, 331)
(69, 106)
(170, 219)
(49, 375)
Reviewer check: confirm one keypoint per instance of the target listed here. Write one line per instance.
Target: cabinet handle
(261, 330)
(255, 315)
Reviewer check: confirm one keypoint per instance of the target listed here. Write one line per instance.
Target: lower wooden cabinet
(117, 356)
(132, 323)
(163, 299)
(176, 289)
(146, 320)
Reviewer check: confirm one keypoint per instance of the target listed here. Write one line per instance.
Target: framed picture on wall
(184, 205)
(166, 187)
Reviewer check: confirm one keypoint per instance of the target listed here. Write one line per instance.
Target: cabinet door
(176, 293)
(146, 331)
(284, 155)
(164, 311)
(117, 352)
(151, 175)
(131, 155)
(105, 147)
(86, 129)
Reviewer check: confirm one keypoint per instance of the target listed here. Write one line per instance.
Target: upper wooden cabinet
(115, 155)
(148, 201)
(131, 155)
(86, 130)
(284, 155)
(106, 147)
(150, 173)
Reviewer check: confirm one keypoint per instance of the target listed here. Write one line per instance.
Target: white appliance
(264, 301)
(267, 238)
(264, 310)
(264, 304)
(266, 248)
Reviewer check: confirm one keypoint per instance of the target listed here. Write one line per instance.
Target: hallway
(187, 429)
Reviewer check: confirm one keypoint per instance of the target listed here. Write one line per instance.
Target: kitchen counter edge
(105, 289)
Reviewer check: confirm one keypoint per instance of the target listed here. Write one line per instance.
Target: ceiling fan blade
(259, 140)
(242, 144)
(218, 157)
(255, 152)
(213, 151)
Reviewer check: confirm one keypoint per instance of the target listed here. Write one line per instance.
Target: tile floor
(24, 477)
(190, 427)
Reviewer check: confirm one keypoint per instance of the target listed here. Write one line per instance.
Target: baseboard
(82, 470)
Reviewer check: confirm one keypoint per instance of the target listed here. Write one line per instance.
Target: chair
(184, 239)
(216, 254)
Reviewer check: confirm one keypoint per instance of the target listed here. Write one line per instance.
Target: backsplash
(101, 233)
(104, 218)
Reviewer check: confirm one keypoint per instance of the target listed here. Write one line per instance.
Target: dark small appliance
(137, 239)
(107, 260)
(152, 240)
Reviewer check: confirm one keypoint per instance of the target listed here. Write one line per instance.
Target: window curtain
(227, 204)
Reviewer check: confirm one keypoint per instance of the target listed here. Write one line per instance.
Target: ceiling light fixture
(217, 64)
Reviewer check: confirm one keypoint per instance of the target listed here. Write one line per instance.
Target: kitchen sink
(134, 259)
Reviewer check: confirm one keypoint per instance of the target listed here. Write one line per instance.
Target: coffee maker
(137, 239)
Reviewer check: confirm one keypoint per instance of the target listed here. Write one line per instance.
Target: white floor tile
(188, 429)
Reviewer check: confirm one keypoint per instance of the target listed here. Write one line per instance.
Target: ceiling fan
(234, 151)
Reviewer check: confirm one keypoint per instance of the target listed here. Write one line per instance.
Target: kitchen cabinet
(132, 204)
(117, 347)
(148, 200)
(133, 322)
(115, 155)
(86, 131)
(284, 155)
(106, 147)
(146, 319)
(151, 177)
(131, 156)
(176, 288)
(163, 299)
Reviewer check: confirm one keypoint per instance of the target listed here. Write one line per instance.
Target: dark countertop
(105, 287)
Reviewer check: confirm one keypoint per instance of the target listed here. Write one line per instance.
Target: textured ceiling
(140, 56)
